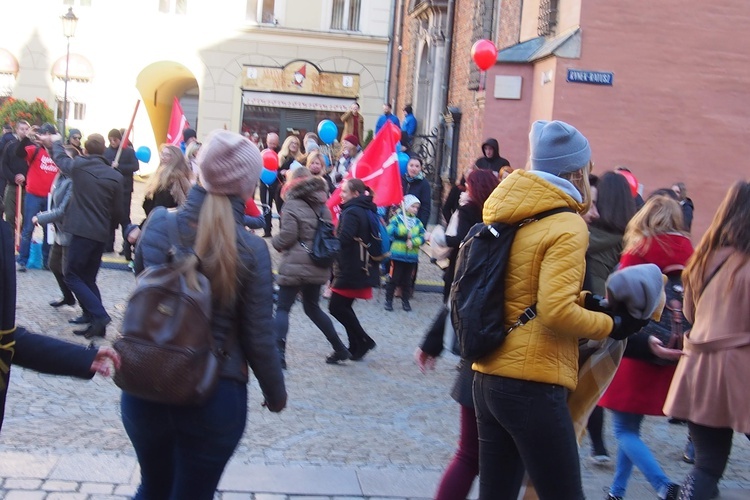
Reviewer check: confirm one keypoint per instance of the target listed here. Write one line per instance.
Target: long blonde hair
(730, 228)
(284, 153)
(216, 247)
(173, 176)
(659, 215)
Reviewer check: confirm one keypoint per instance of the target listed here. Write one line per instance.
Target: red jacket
(42, 171)
(640, 386)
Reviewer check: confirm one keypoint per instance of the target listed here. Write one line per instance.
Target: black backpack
(477, 297)
(325, 245)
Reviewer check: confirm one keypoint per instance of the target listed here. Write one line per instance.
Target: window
(267, 11)
(173, 6)
(485, 20)
(547, 18)
(345, 15)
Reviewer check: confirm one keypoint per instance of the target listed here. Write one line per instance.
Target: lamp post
(69, 22)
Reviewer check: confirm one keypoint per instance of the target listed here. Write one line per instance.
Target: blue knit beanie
(557, 148)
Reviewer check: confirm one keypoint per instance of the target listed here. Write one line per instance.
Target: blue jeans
(631, 450)
(32, 205)
(524, 424)
(182, 450)
(84, 261)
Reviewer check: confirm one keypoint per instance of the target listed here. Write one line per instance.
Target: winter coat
(244, 332)
(546, 267)
(348, 119)
(601, 258)
(97, 196)
(399, 229)
(687, 213)
(127, 165)
(419, 187)
(305, 201)
(709, 386)
(494, 162)
(350, 270)
(62, 193)
(41, 353)
(468, 215)
(641, 382)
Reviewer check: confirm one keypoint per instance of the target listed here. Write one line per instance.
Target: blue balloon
(267, 176)
(327, 131)
(403, 161)
(328, 160)
(143, 154)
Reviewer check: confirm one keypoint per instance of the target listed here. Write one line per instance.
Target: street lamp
(69, 22)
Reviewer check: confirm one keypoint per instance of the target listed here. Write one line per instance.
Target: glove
(625, 325)
(593, 302)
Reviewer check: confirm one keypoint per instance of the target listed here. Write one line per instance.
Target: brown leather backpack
(167, 348)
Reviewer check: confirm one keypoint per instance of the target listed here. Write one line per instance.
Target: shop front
(292, 100)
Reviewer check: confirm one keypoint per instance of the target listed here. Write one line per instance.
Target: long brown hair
(730, 228)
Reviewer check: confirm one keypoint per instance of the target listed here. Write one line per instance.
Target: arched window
(8, 72)
(80, 73)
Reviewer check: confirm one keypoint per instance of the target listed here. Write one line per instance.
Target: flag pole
(19, 190)
(127, 132)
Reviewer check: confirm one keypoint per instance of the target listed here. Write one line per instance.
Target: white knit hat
(229, 164)
(410, 200)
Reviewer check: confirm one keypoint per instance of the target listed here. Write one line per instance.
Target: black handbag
(325, 245)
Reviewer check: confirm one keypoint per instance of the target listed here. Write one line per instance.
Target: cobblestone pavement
(373, 429)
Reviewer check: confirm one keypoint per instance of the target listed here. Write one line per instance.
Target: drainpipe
(444, 85)
(444, 91)
(400, 28)
(389, 55)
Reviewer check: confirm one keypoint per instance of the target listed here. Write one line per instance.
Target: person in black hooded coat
(491, 159)
(354, 273)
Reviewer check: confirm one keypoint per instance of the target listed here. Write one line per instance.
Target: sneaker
(673, 491)
(688, 456)
(600, 459)
(21, 268)
(406, 305)
(610, 496)
(388, 305)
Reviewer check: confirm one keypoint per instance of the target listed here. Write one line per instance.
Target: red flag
(177, 123)
(378, 168)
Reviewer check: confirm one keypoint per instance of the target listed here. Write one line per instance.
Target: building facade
(242, 65)
(657, 87)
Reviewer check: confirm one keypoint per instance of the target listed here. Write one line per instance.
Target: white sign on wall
(508, 87)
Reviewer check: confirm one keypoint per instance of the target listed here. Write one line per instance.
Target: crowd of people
(522, 408)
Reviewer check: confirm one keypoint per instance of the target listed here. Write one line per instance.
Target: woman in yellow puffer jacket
(521, 389)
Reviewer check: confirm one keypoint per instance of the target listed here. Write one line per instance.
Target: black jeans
(712, 448)
(267, 198)
(310, 298)
(84, 260)
(525, 424)
(341, 309)
(402, 274)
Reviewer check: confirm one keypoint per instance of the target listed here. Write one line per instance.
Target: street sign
(592, 77)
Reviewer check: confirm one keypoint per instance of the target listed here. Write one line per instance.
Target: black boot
(389, 288)
(337, 356)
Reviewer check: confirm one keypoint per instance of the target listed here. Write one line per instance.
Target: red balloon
(270, 160)
(484, 54)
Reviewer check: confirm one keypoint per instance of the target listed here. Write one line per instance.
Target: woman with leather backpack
(182, 450)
